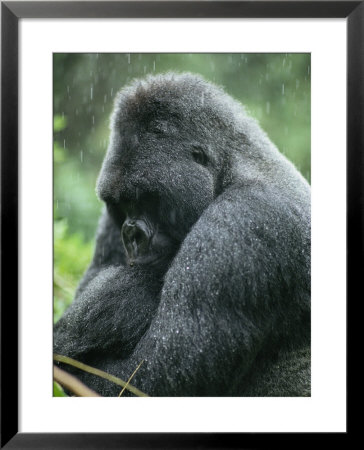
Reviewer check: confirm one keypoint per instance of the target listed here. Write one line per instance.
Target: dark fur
(224, 309)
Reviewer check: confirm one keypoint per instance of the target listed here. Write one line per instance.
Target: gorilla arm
(109, 316)
(108, 250)
(113, 305)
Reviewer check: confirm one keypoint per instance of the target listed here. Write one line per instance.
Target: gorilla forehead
(177, 99)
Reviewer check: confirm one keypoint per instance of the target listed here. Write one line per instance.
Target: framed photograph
(297, 69)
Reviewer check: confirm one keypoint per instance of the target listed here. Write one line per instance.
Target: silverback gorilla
(202, 259)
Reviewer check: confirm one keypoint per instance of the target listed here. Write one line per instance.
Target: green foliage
(75, 197)
(59, 123)
(71, 257)
(58, 153)
(58, 391)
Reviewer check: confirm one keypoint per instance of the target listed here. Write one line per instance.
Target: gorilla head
(202, 260)
(163, 168)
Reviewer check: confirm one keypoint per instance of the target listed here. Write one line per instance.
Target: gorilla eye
(158, 127)
(199, 156)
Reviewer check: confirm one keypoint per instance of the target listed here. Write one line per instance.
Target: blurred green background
(275, 88)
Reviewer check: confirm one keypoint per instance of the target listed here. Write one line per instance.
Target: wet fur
(226, 311)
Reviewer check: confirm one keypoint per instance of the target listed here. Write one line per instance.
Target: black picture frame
(11, 12)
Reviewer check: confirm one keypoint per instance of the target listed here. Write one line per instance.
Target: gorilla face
(150, 175)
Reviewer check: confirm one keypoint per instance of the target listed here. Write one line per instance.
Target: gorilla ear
(199, 155)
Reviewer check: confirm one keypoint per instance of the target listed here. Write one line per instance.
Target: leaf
(58, 153)
(58, 391)
(59, 123)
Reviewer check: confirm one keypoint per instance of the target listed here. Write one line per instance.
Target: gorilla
(202, 263)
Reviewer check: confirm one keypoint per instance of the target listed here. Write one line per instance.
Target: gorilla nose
(135, 237)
